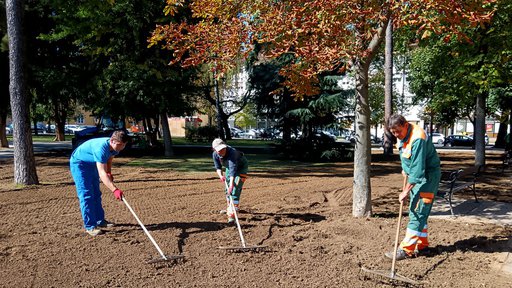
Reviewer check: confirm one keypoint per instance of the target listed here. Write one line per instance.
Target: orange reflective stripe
(427, 200)
(427, 197)
(242, 178)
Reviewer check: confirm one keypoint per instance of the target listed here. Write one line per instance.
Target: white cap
(218, 144)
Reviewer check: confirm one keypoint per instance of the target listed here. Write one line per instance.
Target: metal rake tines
(257, 248)
(388, 274)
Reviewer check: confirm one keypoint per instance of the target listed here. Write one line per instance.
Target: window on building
(80, 119)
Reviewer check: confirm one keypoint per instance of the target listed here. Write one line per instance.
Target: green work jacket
(419, 158)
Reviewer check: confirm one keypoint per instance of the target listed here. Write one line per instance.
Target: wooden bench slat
(452, 184)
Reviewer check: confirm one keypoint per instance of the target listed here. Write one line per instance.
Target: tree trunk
(60, 116)
(3, 136)
(287, 130)
(389, 139)
(35, 128)
(24, 162)
(220, 130)
(361, 206)
(225, 125)
(502, 133)
(157, 126)
(4, 98)
(480, 130)
(169, 152)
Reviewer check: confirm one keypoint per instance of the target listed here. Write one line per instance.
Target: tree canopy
(322, 35)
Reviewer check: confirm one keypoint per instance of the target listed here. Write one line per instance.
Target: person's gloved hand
(222, 178)
(230, 190)
(118, 194)
(110, 176)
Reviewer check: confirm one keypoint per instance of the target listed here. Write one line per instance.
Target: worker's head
(219, 146)
(397, 125)
(118, 140)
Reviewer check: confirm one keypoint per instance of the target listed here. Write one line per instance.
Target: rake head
(168, 258)
(242, 249)
(388, 274)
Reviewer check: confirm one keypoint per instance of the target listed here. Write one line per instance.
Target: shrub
(201, 133)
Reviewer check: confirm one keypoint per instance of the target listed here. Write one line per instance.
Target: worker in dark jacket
(236, 167)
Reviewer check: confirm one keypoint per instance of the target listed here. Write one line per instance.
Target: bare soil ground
(303, 214)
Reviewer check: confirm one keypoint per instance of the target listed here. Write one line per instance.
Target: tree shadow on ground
(483, 244)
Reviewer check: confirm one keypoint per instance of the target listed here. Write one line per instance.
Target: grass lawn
(232, 142)
(204, 163)
(175, 140)
(43, 137)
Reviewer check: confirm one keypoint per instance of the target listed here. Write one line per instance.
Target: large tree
(130, 80)
(4, 77)
(4, 92)
(456, 79)
(320, 34)
(24, 161)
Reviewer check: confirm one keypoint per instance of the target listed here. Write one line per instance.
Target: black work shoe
(106, 224)
(400, 255)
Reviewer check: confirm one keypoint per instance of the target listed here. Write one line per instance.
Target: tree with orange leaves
(320, 34)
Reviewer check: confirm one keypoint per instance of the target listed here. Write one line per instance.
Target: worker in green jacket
(422, 169)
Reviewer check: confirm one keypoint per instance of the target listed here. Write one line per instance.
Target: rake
(164, 258)
(244, 247)
(391, 274)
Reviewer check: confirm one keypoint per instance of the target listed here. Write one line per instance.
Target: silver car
(437, 138)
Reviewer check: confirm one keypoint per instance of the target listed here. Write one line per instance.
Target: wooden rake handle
(398, 231)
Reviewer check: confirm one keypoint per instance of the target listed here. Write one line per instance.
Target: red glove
(223, 178)
(230, 190)
(118, 194)
(110, 176)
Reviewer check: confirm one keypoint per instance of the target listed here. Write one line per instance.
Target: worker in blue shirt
(89, 163)
(236, 167)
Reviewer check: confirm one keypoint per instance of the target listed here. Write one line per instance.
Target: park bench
(457, 180)
(507, 160)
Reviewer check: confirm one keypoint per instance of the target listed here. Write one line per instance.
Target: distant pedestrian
(422, 169)
(236, 167)
(89, 163)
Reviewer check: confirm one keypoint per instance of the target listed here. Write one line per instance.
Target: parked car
(346, 133)
(8, 129)
(437, 138)
(485, 136)
(39, 129)
(250, 134)
(72, 128)
(375, 140)
(235, 132)
(459, 140)
(324, 136)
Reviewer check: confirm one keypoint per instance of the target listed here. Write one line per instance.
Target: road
(39, 147)
(42, 147)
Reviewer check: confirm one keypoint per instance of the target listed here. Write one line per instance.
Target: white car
(72, 128)
(437, 138)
